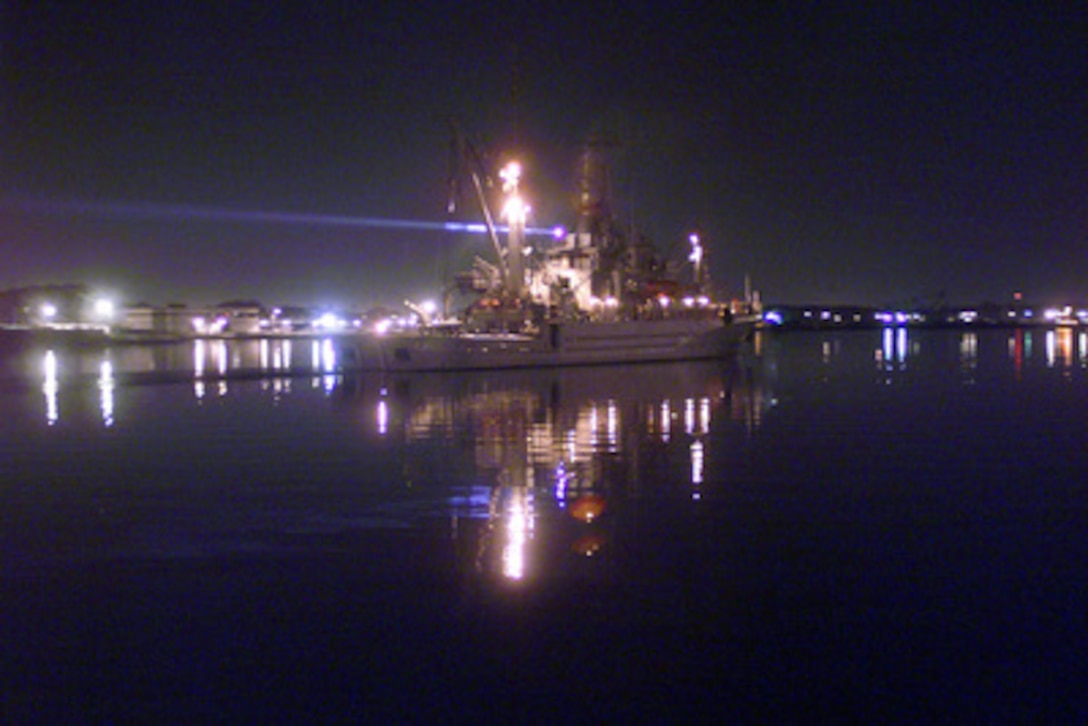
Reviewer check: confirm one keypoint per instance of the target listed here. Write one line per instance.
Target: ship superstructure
(597, 294)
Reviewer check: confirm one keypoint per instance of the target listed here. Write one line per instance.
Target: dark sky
(837, 152)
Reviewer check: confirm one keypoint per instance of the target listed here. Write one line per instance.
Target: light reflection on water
(210, 365)
(49, 387)
(1026, 349)
(499, 453)
(201, 357)
(1066, 348)
(106, 387)
(555, 450)
(541, 443)
(861, 512)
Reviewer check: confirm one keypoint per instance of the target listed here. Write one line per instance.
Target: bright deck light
(515, 210)
(329, 321)
(696, 255)
(510, 175)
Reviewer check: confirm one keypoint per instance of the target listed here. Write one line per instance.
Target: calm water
(839, 526)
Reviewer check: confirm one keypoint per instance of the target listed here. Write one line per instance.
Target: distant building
(241, 317)
(53, 305)
(174, 319)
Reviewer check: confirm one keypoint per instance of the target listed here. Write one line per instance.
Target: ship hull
(559, 344)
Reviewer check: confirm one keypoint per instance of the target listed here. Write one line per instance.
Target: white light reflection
(518, 526)
(704, 415)
(689, 416)
(613, 427)
(697, 462)
(382, 416)
(198, 357)
(105, 387)
(50, 387)
(219, 355)
(969, 356)
(199, 353)
(328, 364)
(666, 420)
(284, 360)
(969, 348)
(328, 356)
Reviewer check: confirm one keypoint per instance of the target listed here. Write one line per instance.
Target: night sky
(875, 153)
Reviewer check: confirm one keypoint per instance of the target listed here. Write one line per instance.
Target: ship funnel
(591, 205)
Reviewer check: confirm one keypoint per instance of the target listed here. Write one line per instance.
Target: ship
(599, 294)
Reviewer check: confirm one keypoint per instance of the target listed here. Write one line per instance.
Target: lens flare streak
(196, 213)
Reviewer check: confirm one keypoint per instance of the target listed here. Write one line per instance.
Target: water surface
(844, 526)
